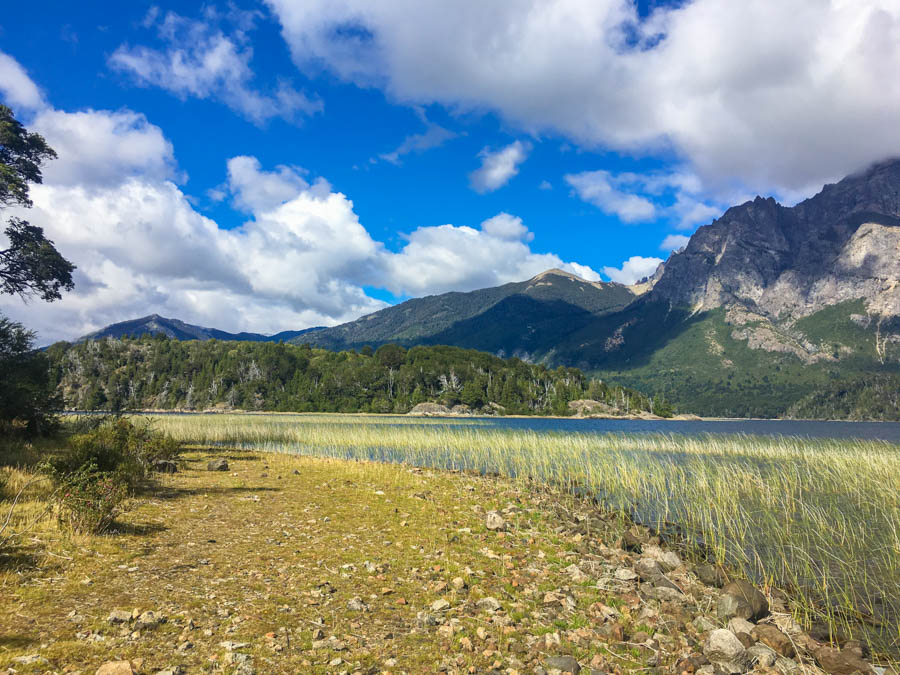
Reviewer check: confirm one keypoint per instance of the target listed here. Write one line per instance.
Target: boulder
(723, 646)
(774, 638)
(119, 616)
(219, 464)
(429, 409)
(760, 655)
(711, 575)
(843, 662)
(741, 599)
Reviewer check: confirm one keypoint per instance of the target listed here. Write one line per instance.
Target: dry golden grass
(256, 555)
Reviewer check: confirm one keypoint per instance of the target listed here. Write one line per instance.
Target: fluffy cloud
(632, 270)
(18, 90)
(673, 242)
(200, 60)
(498, 167)
(301, 259)
(598, 188)
(634, 197)
(103, 147)
(451, 258)
(783, 95)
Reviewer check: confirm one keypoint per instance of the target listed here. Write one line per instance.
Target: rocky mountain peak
(776, 261)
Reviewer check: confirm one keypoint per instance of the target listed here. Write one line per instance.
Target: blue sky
(268, 166)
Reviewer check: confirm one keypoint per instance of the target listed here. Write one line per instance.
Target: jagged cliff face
(783, 263)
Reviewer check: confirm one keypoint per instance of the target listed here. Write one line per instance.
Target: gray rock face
(740, 599)
(723, 646)
(780, 262)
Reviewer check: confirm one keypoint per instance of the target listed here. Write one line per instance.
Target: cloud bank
(765, 96)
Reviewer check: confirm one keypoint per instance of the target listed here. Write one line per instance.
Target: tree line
(161, 373)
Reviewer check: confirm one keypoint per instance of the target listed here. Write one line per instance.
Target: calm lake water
(886, 431)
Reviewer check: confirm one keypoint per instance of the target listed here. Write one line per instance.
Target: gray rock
(494, 521)
(711, 575)
(219, 464)
(648, 569)
(148, 620)
(171, 670)
(440, 605)
(739, 625)
(29, 660)
(566, 664)
(785, 666)
(723, 646)
(119, 616)
(425, 620)
(488, 605)
(741, 599)
(357, 605)
(704, 624)
(625, 574)
(761, 655)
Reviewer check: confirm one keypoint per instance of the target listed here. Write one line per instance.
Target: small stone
(230, 646)
(171, 670)
(488, 605)
(148, 620)
(704, 624)
(625, 574)
(785, 666)
(219, 464)
(494, 521)
(440, 605)
(762, 656)
(741, 599)
(357, 605)
(739, 625)
(648, 569)
(565, 664)
(116, 668)
(774, 638)
(458, 583)
(119, 616)
(425, 620)
(723, 645)
(30, 659)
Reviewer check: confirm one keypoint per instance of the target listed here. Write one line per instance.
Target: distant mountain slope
(518, 318)
(155, 324)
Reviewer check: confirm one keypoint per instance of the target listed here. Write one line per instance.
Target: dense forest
(160, 373)
(876, 397)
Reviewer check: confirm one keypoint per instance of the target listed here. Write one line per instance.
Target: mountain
(763, 308)
(179, 330)
(521, 318)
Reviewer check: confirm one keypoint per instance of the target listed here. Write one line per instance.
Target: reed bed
(818, 518)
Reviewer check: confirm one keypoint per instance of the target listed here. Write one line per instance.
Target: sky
(275, 165)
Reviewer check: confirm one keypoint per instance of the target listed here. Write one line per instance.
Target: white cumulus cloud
(767, 95)
(634, 269)
(498, 167)
(19, 91)
(673, 242)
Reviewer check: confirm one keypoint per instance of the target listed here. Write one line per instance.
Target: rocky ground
(283, 564)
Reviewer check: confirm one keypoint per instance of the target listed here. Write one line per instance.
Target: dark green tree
(30, 263)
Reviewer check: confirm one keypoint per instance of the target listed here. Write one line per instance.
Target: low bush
(117, 446)
(89, 501)
(101, 467)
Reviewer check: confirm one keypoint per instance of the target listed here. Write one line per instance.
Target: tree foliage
(159, 373)
(30, 263)
(27, 397)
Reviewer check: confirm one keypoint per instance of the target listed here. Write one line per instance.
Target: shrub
(116, 446)
(90, 500)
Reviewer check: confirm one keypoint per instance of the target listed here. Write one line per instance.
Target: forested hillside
(160, 373)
